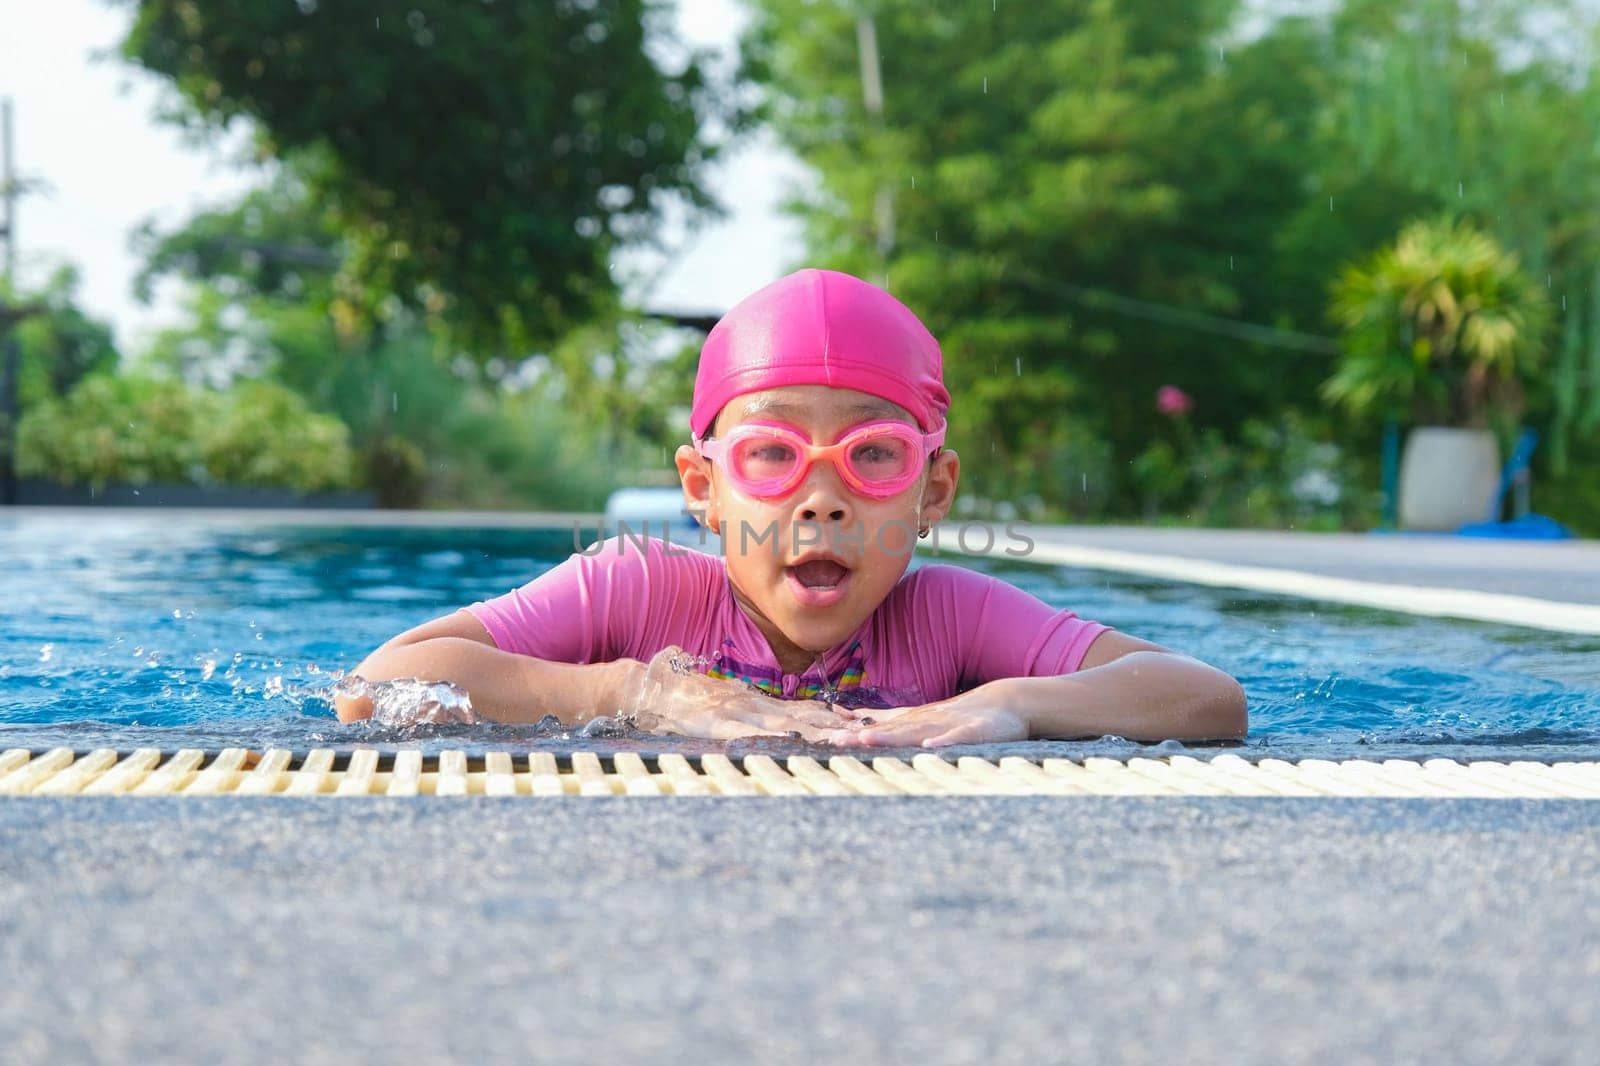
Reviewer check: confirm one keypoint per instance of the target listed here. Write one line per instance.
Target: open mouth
(818, 582)
(820, 573)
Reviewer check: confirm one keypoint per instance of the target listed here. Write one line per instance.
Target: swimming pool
(127, 630)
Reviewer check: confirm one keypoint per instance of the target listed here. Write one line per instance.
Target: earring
(923, 532)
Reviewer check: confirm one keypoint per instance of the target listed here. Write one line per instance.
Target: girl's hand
(669, 697)
(976, 717)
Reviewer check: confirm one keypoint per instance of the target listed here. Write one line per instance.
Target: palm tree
(1443, 325)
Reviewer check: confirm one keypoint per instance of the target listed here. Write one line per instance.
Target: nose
(823, 495)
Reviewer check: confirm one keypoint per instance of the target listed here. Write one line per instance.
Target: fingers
(729, 729)
(965, 733)
(902, 733)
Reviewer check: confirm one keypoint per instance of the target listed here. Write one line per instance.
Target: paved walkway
(918, 930)
(1564, 571)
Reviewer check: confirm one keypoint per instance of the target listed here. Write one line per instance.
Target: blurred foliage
(141, 429)
(1085, 200)
(431, 431)
(1101, 196)
(479, 162)
(1284, 473)
(1103, 145)
(1443, 326)
(58, 342)
(1486, 110)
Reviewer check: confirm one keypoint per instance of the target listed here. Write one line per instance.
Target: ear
(699, 494)
(944, 472)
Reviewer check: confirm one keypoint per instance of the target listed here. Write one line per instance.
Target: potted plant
(1445, 328)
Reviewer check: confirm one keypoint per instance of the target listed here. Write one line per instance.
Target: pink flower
(1173, 401)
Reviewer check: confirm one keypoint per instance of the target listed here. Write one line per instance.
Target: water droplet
(1330, 203)
(1461, 190)
(1085, 482)
(1563, 301)
(913, 181)
(986, 86)
(176, 613)
(394, 401)
(1019, 366)
(46, 652)
(1230, 262)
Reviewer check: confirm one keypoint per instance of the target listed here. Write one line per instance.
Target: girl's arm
(506, 687)
(503, 686)
(1126, 687)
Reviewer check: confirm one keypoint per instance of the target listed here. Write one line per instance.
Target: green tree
(1035, 155)
(60, 343)
(1480, 110)
(478, 162)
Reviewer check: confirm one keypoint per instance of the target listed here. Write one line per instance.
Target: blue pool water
(140, 630)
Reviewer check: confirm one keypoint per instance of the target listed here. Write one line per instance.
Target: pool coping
(359, 772)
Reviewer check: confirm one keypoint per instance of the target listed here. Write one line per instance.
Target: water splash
(405, 702)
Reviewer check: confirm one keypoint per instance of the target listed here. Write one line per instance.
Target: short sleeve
(607, 604)
(1002, 631)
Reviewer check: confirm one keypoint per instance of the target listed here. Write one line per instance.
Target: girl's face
(810, 566)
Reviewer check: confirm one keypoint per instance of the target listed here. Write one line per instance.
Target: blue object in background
(1391, 475)
(1515, 480)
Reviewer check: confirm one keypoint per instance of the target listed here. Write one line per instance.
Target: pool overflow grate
(325, 772)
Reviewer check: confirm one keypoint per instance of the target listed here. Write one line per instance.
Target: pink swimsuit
(942, 630)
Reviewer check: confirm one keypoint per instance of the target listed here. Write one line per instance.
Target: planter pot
(1448, 477)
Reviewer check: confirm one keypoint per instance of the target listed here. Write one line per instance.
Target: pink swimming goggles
(769, 460)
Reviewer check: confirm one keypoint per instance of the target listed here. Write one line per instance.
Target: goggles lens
(768, 459)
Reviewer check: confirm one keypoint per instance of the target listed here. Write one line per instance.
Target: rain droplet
(1461, 190)
(986, 86)
(1019, 366)
(1085, 482)
(394, 401)
(1230, 262)
(1563, 301)
(913, 181)
(1330, 203)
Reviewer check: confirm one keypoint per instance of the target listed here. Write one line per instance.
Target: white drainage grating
(325, 772)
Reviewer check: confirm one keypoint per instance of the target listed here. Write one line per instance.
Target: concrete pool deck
(915, 930)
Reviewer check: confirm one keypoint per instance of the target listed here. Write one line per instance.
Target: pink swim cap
(821, 327)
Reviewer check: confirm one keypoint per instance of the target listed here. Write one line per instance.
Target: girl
(818, 454)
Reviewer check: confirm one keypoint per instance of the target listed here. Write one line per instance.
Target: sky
(85, 127)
